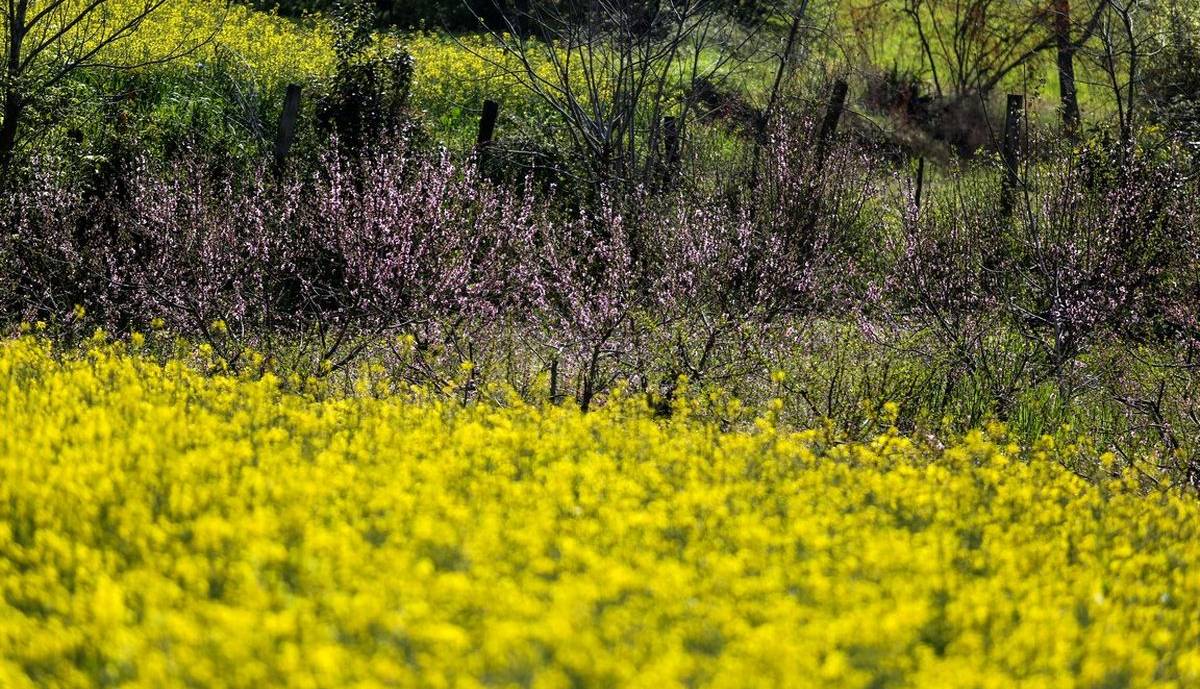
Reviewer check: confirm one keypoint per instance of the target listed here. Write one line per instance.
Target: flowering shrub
(1100, 259)
(388, 238)
(162, 528)
(954, 311)
(1095, 251)
(392, 238)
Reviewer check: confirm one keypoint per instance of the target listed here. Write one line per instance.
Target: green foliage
(224, 95)
(453, 75)
(1173, 78)
(368, 94)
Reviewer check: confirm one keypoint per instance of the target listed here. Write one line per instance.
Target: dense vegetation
(184, 530)
(315, 375)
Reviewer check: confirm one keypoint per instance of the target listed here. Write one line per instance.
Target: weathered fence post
(1012, 150)
(920, 182)
(487, 123)
(487, 129)
(554, 381)
(287, 126)
(833, 115)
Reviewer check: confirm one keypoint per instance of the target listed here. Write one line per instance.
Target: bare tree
(971, 46)
(1125, 45)
(48, 40)
(624, 78)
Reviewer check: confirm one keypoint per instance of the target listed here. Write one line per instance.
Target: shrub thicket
(993, 316)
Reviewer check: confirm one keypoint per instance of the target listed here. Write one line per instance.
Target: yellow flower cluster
(455, 75)
(160, 528)
(273, 49)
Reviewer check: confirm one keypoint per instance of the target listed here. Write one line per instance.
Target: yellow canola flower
(274, 49)
(160, 528)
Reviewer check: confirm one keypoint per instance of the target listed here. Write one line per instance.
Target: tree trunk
(13, 105)
(1066, 67)
(1127, 127)
(1013, 120)
(11, 115)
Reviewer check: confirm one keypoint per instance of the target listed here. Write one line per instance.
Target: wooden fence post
(1013, 118)
(920, 182)
(487, 129)
(487, 123)
(287, 126)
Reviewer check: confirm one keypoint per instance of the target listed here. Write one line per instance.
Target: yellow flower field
(273, 50)
(160, 528)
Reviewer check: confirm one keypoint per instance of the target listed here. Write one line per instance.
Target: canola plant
(162, 528)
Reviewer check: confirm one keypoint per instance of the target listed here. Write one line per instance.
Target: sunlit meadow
(540, 344)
